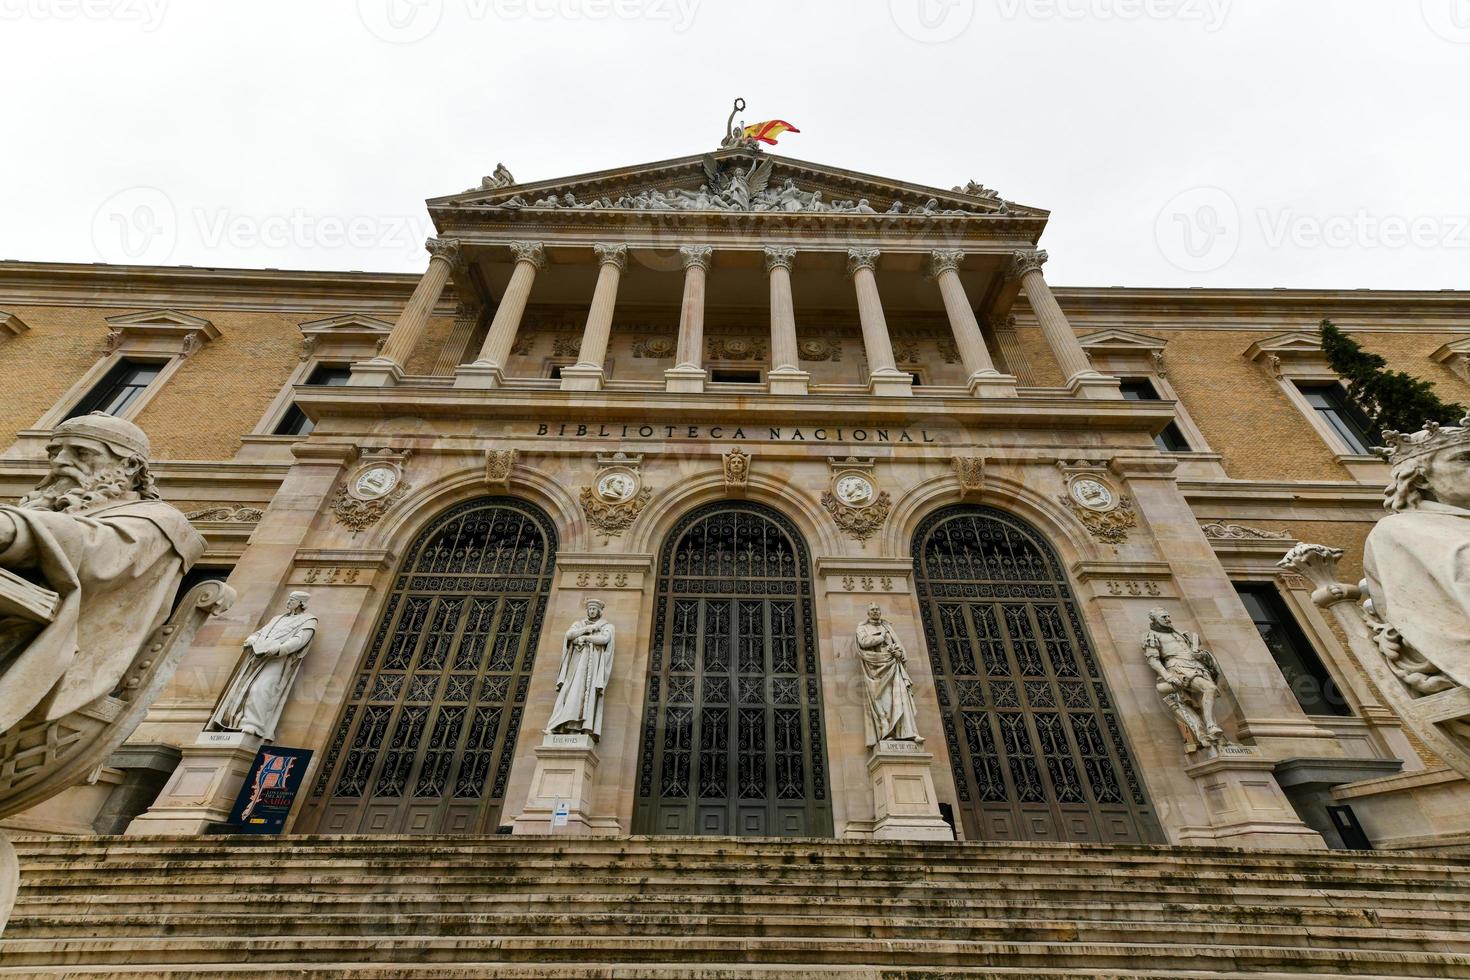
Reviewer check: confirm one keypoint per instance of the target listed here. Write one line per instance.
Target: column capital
(780, 256)
(693, 255)
(1026, 260)
(530, 252)
(612, 255)
(861, 258)
(945, 260)
(444, 248)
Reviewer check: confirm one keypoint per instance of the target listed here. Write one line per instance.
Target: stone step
(287, 904)
(1285, 891)
(910, 954)
(554, 926)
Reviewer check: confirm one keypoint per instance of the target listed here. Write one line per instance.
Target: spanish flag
(767, 131)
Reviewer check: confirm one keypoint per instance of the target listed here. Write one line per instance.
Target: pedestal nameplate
(569, 741)
(896, 747)
(225, 740)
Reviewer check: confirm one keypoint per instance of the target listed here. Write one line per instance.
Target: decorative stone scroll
(1239, 532)
(617, 495)
(373, 486)
(498, 466)
(970, 471)
(227, 513)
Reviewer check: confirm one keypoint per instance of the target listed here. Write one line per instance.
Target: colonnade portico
(784, 375)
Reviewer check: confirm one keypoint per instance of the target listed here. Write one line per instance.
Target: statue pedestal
(203, 788)
(1247, 806)
(903, 794)
(565, 769)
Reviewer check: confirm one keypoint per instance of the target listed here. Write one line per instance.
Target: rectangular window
(295, 422)
(1332, 405)
(735, 376)
(1171, 440)
(1315, 690)
(120, 388)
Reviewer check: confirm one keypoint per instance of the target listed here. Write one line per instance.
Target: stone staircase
(657, 908)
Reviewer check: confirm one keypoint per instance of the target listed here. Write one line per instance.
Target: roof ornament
(735, 137)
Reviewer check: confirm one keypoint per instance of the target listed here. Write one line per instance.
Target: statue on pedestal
(586, 667)
(257, 691)
(890, 708)
(1417, 559)
(1188, 680)
(97, 539)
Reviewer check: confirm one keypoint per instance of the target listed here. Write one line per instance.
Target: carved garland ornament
(1219, 530)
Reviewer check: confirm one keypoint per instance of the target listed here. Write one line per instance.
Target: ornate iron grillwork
(1036, 747)
(425, 740)
(732, 735)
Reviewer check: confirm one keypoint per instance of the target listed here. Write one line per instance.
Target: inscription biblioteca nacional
(574, 430)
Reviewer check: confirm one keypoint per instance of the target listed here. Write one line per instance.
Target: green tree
(1393, 399)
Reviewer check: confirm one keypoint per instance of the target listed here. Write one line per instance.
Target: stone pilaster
(586, 374)
(786, 376)
(1078, 371)
(984, 379)
(488, 370)
(688, 372)
(408, 331)
(884, 377)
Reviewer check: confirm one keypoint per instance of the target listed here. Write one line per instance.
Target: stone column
(984, 379)
(1076, 368)
(884, 377)
(408, 331)
(466, 319)
(786, 376)
(488, 370)
(688, 372)
(586, 374)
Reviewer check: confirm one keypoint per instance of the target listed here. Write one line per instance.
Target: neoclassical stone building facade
(738, 399)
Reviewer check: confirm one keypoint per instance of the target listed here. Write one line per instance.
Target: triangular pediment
(163, 320)
(1119, 341)
(1296, 342)
(346, 323)
(733, 180)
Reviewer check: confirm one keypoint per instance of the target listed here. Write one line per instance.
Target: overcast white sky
(1300, 143)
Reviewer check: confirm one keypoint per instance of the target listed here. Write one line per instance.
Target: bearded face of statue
(1447, 476)
(82, 473)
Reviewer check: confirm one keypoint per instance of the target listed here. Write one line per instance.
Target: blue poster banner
(269, 790)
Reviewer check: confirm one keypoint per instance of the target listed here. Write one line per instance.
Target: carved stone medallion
(370, 489)
(736, 349)
(737, 470)
(617, 494)
(854, 500)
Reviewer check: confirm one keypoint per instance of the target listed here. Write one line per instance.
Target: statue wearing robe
(256, 694)
(586, 668)
(96, 533)
(1417, 559)
(890, 705)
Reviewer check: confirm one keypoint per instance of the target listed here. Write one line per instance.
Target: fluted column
(984, 379)
(786, 376)
(488, 370)
(1076, 368)
(586, 374)
(408, 331)
(688, 372)
(884, 377)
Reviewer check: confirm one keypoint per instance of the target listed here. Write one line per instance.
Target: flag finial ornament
(751, 137)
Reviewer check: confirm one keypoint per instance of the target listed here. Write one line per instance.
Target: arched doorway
(425, 738)
(1034, 739)
(732, 737)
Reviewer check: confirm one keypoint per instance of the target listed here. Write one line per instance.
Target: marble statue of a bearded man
(890, 712)
(586, 667)
(254, 698)
(96, 533)
(1188, 679)
(1417, 559)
